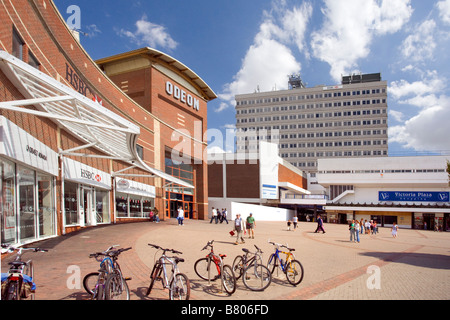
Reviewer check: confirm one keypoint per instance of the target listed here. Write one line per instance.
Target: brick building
(76, 149)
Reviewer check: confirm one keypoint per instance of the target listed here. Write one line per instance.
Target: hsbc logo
(86, 174)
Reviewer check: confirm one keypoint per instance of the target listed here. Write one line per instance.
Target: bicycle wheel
(257, 277)
(238, 267)
(180, 287)
(11, 292)
(116, 287)
(228, 279)
(272, 262)
(156, 272)
(294, 272)
(203, 266)
(90, 281)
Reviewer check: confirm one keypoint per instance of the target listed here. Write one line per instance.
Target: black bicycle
(18, 283)
(255, 275)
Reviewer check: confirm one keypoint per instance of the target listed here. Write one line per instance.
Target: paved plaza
(413, 266)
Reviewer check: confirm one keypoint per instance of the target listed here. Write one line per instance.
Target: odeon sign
(182, 96)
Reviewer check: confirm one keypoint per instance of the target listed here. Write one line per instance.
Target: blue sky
(237, 46)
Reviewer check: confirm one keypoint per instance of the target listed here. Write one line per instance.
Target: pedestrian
(220, 215)
(361, 224)
(289, 225)
(375, 228)
(394, 230)
(357, 229)
(156, 215)
(214, 215)
(150, 215)
(251, 226)
(351, 227)
(319, 224)
(180, 216)
(239, 227)
(224, 215)
(367, 226)
(295, 221)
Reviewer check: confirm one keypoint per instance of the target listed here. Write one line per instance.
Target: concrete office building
(342, 121)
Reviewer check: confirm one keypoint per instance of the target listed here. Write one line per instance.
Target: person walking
(394, 230)
(361, 224)
(319, 224)
(357, 230)
(214, 215)
(295, 222)
(239, 227)
(375, 228)
(351, 227)
(224, 215)
(180, 216)
(251, 226)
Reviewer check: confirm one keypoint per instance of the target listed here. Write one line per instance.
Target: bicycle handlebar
(281, 245)
(209, 244)
(109, 252)
(163, 249)
(10, 249)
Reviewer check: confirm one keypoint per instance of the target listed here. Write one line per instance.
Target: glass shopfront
(133, 199)
(30, 215)
(86, 195)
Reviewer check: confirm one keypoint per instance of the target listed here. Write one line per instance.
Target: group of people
(357, 227)
(241, 227)
(219, 215)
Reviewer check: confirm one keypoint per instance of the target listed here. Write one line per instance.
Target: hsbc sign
(181, 95)
(84, 174)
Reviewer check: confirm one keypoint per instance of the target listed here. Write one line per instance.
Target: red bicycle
(204, 268)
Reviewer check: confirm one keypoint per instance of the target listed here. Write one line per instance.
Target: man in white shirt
(180, 216)
(214, 215)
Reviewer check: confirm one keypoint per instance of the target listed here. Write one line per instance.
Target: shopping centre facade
(78, 148)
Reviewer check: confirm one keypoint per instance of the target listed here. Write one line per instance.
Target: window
(32, 61)
(17, 45)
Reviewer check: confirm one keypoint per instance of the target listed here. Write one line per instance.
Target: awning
(89, 121)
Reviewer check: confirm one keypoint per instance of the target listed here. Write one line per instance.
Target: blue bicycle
(291, 267)
(108, 283)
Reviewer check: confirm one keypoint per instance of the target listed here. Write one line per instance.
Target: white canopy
(89, 121)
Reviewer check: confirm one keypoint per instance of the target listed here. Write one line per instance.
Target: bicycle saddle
(245, 250)
(222, 255)
(177, 259)
(17, 263)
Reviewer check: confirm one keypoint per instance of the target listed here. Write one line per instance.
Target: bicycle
(18, 283)
(178, 284)
(108, 283)
(292, 268)
(222, 271)
(255, 275)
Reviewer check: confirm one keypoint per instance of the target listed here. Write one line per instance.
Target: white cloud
(444, 10)
(429, 85)
(269, 60)
(150, 34)
(429, 130)
(420, 45)
(349, 28)
(397, 115)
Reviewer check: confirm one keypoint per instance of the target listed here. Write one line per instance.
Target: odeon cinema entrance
(178, 196)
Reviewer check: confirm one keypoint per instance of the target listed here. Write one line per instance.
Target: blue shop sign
(414, 196)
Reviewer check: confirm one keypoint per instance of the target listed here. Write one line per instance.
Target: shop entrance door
(87, 208)
(428, 221)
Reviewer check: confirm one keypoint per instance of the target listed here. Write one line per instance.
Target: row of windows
(312, 96)
(314, 115)
(312, 106)
(330, 154)
(329, 144)
(309, 135)
(384, 171)
(309, 125)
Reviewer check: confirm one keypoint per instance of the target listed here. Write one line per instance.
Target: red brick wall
(287, 175)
